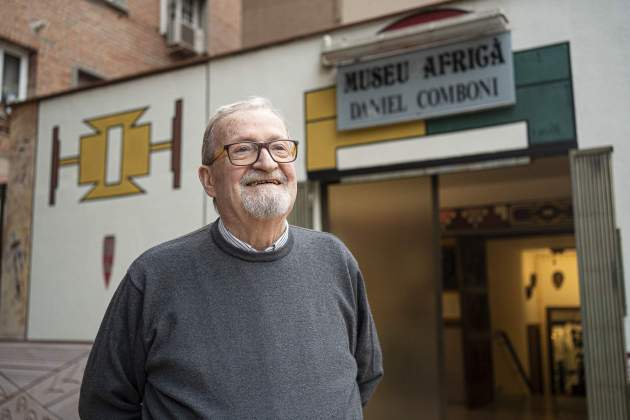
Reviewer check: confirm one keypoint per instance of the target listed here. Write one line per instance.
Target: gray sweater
(200, 329)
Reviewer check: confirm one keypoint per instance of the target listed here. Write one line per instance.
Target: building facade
(50, 47)
(486, 204)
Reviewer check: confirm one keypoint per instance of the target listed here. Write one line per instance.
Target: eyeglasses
(248, 152)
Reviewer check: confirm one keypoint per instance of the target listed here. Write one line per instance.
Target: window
(189, 12)
(13, 73)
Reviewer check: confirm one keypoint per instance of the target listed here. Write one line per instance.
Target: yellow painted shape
(126, 187)
(135, 154)
(323, 139)
(321, 104)
(156, 147)
(74, 160)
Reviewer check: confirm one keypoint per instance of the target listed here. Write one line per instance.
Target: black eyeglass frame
(259, 146)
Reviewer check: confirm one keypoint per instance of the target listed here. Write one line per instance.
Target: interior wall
(388, 226)
(546, 178)
(544, 263)
(509, 270)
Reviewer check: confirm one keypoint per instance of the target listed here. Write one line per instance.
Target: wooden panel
(534, 345)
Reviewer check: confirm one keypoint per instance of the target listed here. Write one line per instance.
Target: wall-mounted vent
(184, 32)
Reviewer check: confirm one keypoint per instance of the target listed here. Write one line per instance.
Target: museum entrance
(472, 278)
(511, 301)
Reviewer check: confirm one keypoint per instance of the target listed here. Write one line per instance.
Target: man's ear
(207, 180)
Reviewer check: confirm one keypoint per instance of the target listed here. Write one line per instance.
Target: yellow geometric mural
(135, 154)
(323, 139)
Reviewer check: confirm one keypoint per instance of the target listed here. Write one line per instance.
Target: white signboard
(451, 79)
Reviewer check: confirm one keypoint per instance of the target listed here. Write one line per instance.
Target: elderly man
(247, 318)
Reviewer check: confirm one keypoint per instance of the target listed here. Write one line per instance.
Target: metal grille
(601, 286)
(302, 214)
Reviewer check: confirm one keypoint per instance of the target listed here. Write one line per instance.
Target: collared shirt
(228, 236)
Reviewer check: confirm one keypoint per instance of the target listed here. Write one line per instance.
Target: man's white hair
(209, 145)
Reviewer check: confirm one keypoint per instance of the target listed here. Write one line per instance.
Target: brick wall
(224, 25)
(270, 20)
(90, 34)
(16, 235)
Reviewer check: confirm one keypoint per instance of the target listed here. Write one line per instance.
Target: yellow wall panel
(323, 139)
(321, 104)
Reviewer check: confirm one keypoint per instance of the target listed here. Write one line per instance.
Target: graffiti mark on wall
(21, 165)
(17, 264)
(41, 381)
(131, 144)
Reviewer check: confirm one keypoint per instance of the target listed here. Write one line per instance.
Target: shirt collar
(229, 237)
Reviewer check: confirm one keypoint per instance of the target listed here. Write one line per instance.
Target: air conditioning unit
(183, 37)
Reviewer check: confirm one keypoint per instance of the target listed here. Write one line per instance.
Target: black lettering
(496, 54)
(444, 94)
(401, 106)
(485, 87)
(376, 107)
(389, 75)
(471, 58)
(434, 97)
(474, 87)
(350, 84)
(394, 104)
(419, 99)
(481, 59)
(462, 95)
(429, 68)
(459, 64)
(403, 71)
(363, 82)
(377, 77)
(495, 86)
(356, 111)
(445, 61)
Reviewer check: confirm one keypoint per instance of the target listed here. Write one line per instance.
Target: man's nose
(265, 162)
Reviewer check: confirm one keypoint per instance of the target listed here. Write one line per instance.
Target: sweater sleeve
(368, 350)
(113, 381)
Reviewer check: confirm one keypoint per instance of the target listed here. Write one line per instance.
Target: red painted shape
(54, 167)
(108, 257)
(423, 17)
(176, 146)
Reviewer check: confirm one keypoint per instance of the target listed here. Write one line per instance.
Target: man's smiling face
(263, 190)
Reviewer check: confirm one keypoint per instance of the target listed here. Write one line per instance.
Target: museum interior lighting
(341, 51)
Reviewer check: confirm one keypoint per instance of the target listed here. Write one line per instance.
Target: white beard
(266, 201)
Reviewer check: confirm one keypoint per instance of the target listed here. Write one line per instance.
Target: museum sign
(453, 79)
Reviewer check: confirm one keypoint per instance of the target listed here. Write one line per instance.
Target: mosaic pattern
(504, 216)
(41, 381)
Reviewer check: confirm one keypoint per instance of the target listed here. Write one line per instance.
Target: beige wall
(356, 10)
(510, 263)
(271, 20)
